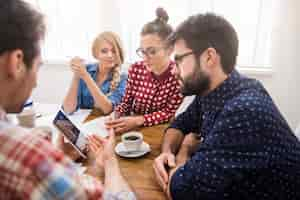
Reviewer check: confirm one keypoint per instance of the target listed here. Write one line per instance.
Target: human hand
(102, 148)
(67, 148)
(125, 124)
(78, 68)
(160, 166)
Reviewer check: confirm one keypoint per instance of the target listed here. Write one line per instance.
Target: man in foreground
(30, 167)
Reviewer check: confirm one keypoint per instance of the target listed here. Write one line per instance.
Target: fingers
(95, 143)
(159, 179)
(108, 119)
(114, 122)
(119, 125)
(76, 69)
(115, 115)
(159, 166)
(76, 61)
(96, 140)
(119, 131)
(111, 133)
(111, 137)
(93, 148)
(171, 160)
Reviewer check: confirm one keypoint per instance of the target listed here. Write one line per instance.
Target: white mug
(132, 140)
(27, 118)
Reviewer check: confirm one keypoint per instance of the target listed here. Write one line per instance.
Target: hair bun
(162, 15)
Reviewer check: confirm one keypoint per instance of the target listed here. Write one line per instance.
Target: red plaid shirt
(155, 97)
(31, 168)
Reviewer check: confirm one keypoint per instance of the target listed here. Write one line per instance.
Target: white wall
(53, 83)
(282, 84)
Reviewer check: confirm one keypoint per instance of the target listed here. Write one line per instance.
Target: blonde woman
(98, 85)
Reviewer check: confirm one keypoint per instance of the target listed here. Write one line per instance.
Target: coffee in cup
(132, 140)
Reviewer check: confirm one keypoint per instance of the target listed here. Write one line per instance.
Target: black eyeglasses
(149, 52)
(179, 58)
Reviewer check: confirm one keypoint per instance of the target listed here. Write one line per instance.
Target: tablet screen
(71, 132)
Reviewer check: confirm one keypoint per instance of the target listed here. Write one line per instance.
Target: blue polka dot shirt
(248, 149)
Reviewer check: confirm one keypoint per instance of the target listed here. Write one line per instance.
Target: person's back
(31, 168)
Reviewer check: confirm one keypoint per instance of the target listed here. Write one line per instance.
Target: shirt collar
(217, 98)
(93, 69)
(165, 74)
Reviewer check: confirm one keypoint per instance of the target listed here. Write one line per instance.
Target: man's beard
(196, 83)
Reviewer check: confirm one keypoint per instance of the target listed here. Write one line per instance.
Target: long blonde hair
(115, 41)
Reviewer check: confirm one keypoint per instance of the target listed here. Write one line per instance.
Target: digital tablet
(71, 132)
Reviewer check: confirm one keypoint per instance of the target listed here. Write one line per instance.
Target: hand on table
(166, 163)
(161, 167)
(125, 124)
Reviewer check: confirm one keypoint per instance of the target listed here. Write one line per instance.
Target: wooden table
(138, 171)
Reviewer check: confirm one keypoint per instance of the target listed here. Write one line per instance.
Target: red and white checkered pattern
(155, 97)
(31, 168)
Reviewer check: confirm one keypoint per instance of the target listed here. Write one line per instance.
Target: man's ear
(15, 63)
(212, 56)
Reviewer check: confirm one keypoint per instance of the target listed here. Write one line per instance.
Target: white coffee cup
(27, 118)
(132, 140)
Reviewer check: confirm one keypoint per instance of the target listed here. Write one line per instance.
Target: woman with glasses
(152, 93)
(100, 85)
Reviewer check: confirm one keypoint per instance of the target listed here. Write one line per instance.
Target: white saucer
(120, 149)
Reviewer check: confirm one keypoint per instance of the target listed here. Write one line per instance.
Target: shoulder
(137, 67)
(32, 144)
(251, 97)
(123, 77)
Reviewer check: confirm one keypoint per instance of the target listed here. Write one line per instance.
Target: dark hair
(158, 26)
(209, 30)
(22, 27)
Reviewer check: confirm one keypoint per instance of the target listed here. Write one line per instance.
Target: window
(72, 25)
(71, 28)
(253, 21)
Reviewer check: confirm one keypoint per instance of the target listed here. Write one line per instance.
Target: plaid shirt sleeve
(30, 168)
